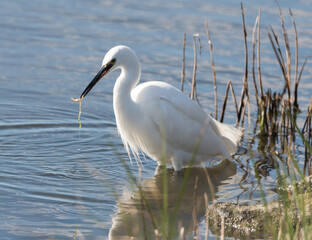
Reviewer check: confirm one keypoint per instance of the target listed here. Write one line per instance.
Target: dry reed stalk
(247, 234)
(287, 48)
(193, 91)
(258, 55)
(182, 233)
(307, 132)
(253, 59)
(272, 113)
(213, 71)
(265, 117)
(229, 85)
(240, 107)
(157, 234)
(302, 68)
(234, 99)
(285, 132)
(310, 141)
(243, 111)
(245, 83)
(280, 54)
(277, 52)
(275, 112)
(307, 117)
(207, 216)
(269, 112)
(214, 207)
(287, 121)
(297, 59)
(183, 64)
(297, 84)
(194, 69)
(280, 58)
(249, 111)
(246, 53)
(282, 128)
(222, 236)
(195, 210)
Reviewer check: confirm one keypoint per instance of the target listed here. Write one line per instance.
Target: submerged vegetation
(159, 205)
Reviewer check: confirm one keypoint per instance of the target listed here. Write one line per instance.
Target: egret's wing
(210, 129)
(186, 124)
(180, 120)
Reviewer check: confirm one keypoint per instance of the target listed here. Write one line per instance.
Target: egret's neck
(127, 80)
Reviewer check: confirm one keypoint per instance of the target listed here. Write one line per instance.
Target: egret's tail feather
(231, 135)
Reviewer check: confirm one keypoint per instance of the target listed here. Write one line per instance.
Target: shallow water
(58, 181)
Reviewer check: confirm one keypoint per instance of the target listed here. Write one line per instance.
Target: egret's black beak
(104, 69)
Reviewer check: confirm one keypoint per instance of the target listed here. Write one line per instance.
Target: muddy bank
(260, 220)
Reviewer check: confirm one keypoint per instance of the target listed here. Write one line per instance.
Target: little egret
(159, 120)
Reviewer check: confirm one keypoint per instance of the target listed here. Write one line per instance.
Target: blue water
(57, 181)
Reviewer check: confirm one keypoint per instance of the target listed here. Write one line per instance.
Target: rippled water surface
(57, 181)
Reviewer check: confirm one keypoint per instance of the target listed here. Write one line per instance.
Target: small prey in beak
(76, 99)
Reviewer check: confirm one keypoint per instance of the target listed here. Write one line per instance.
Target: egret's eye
(113, 61)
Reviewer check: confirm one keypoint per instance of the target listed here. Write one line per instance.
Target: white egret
(159, 120)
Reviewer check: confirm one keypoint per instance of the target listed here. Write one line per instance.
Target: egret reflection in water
(133, 219)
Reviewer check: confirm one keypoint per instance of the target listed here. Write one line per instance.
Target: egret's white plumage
(155, 117)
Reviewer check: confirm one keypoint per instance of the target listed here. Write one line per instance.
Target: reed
(183, 64)
(229, 85)
(257, 23)
(195, 209)
(258, 55)
(193, 90)
(245, 92)
(213, 70)
(206, 216)
(307, 133)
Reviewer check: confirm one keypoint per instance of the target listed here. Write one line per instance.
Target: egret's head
(114, 58)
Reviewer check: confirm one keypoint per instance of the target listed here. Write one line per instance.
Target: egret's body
(159, 120)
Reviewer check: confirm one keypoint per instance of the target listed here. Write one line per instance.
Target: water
(57, 181)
